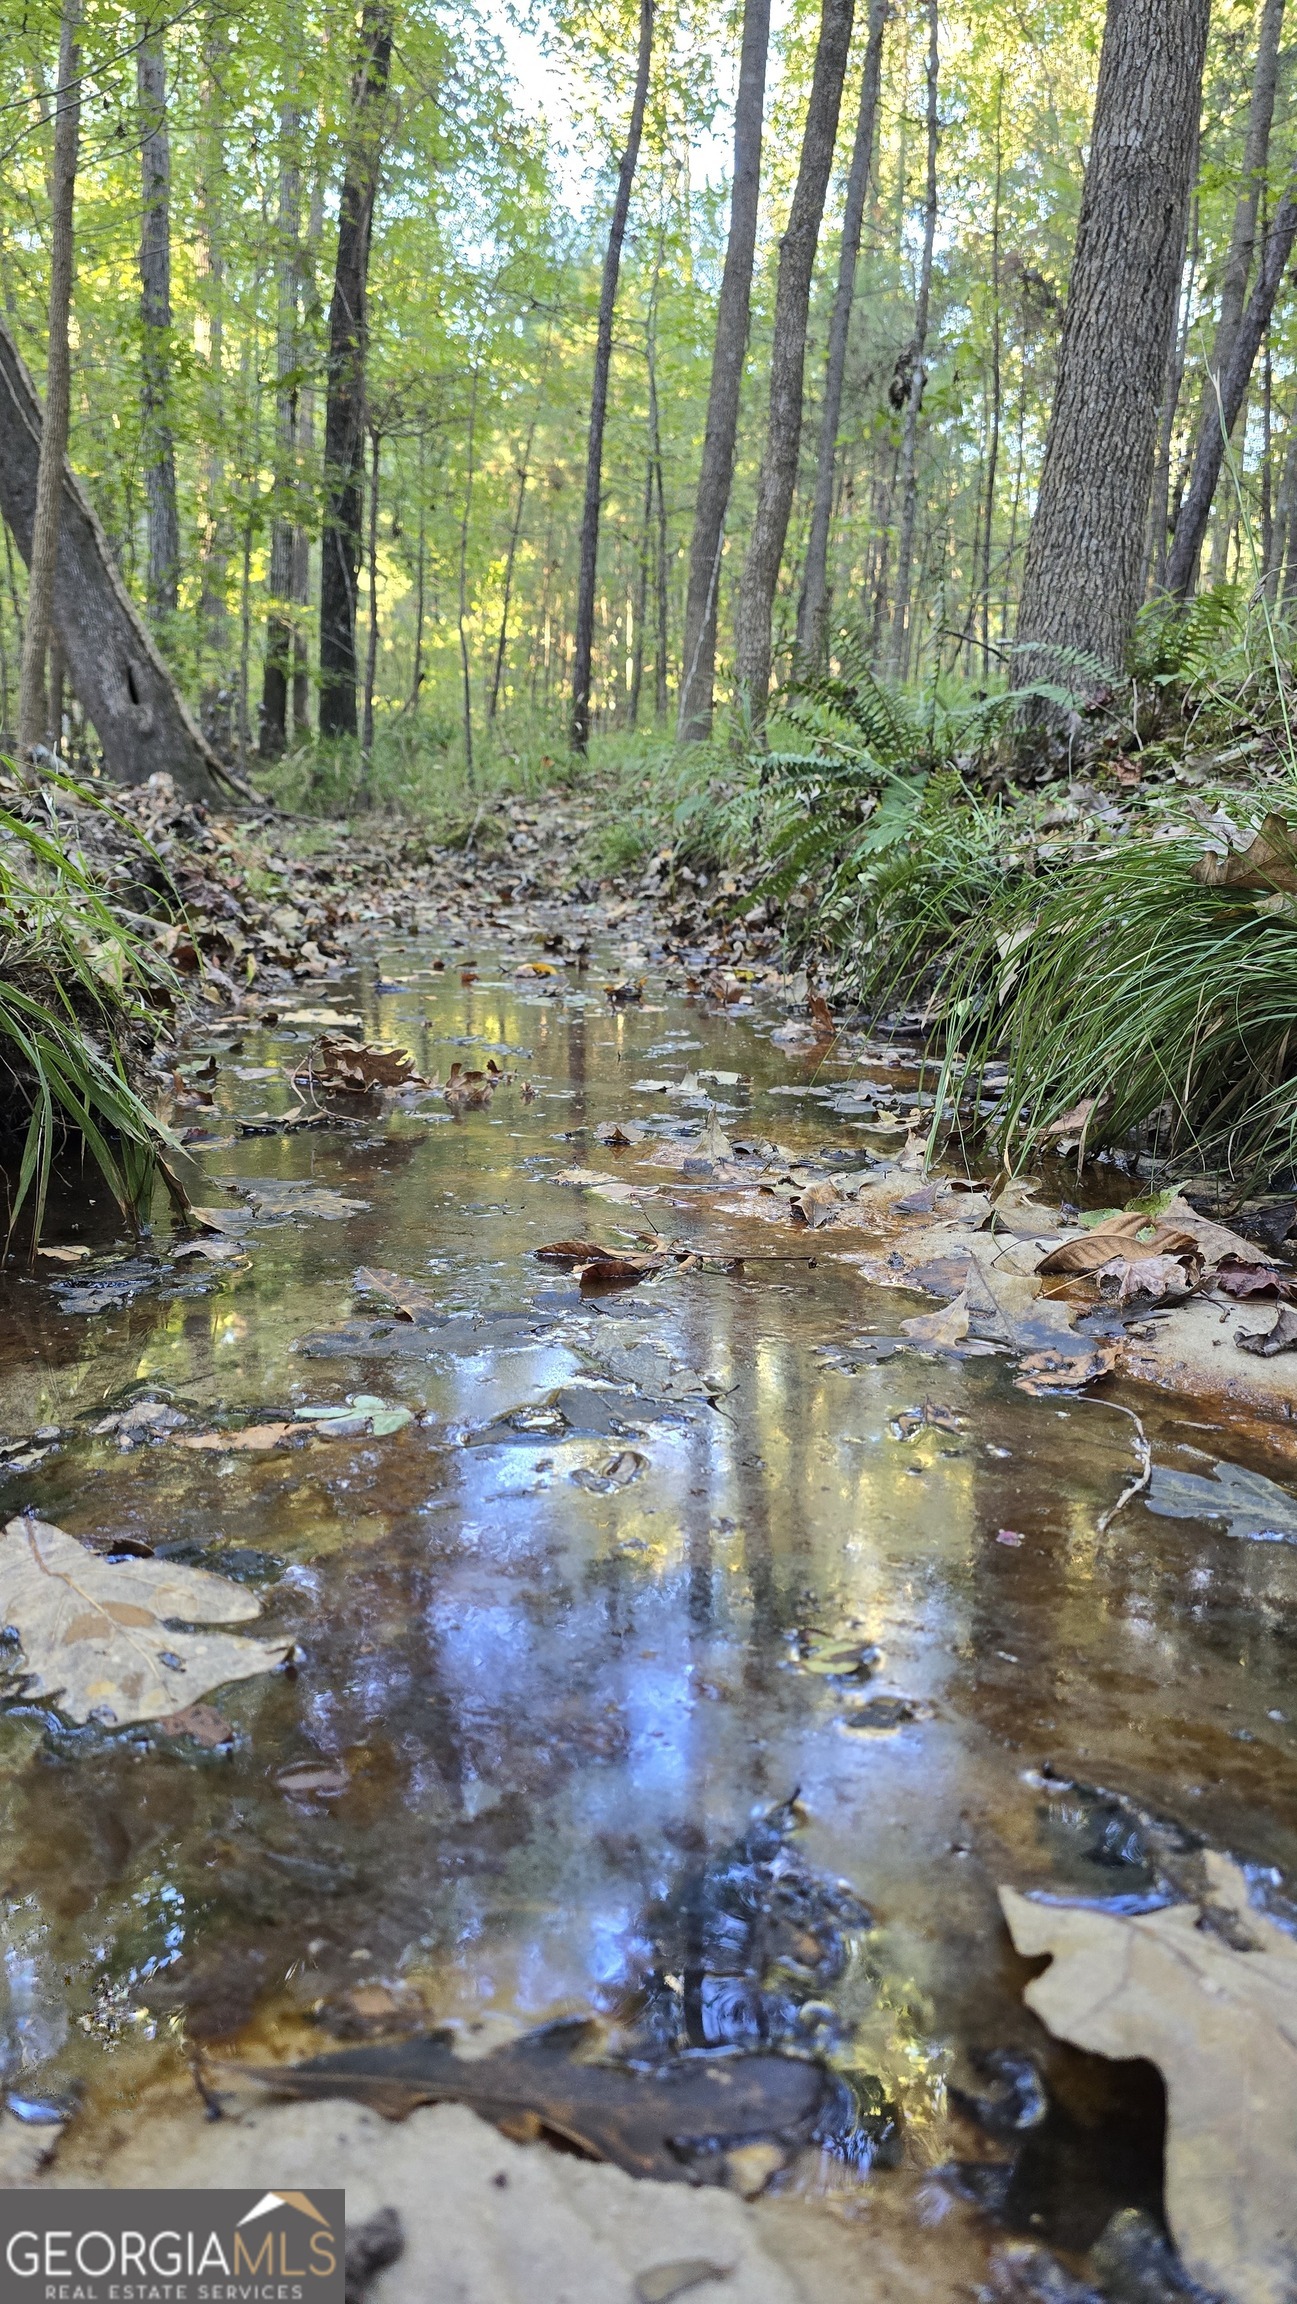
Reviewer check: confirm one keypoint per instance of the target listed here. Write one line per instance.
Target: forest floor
(718, 1572)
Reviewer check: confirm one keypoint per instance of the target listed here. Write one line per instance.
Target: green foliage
(1178, 642)
(75, 978)
(1121, 979)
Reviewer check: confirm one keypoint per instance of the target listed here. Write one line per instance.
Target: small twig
(1143, 1456)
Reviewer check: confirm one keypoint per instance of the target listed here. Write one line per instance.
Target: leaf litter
(99, 1638)
(1206, 1989)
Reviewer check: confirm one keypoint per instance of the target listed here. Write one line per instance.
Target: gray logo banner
(171, 2247)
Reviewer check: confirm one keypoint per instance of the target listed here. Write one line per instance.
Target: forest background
(225, 132)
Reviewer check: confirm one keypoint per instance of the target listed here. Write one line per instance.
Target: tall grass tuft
(76, 982)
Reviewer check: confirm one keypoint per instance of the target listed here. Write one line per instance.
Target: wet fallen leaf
(471, 1091)
(619, 1134)
(625, 995)
(355, 1067)
(253, 1439)
(1208, 1992)
(408, 1301)
(880, 1713)
(817, 1204)
(615, 1472)
(1248, 1503)
(570, 1251)
(675, 2122)
(293, 1199)
(535, 968)
(821, 1016)
(98, 1637)
(210, 1250)
(949, 1326)
(1265, 1342)
(663, 2282)
(1064, 1368)
(142, 1420)
(313, 1782)
(931, 1416)
(202, 1723)
(1123, 1234)
(63, 1255)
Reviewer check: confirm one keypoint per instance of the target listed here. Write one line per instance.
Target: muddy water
(534, 1694)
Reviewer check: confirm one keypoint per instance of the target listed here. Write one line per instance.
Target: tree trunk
(997, 385)
(515, 532)
(371, 640)
(698, 667)
(277, 672)
(213, 608)
(33, 715)
(465, 667)
(157, 449)
(1085, 552)
(918, 374)
(1242, 246)
(344, 415)
(1209, 454)
(116, 670)
(306, 446)
(1160, 514)
(813, 614)
(787, 361)
(589, 549)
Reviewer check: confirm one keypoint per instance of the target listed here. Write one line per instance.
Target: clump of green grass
(1123, 981)
(76, 987)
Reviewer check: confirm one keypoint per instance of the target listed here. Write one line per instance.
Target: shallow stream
(560, 1636)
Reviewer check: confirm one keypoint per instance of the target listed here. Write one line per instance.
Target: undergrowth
(76, 985)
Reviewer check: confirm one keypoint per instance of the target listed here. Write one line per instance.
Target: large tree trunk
(787, 361)
(589, 550)
(277, 672)
(1242, 246)
(34, 718)
(813, 613)
(1209, 454)
(214, 548)
(698, 669)
(1085, 553)
(116, 670)
(344, 414)
(157, 448)
(901, 632)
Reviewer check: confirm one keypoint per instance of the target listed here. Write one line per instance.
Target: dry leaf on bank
(1156, 1277)
(1269, 861)
(1235, 1277)
(1120, 1235)
(98, 1637)
(1265, 1342)
(1220, 2023)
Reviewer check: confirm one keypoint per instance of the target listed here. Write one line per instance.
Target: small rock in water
(371, 2247)
(1135, 2263)
(881, 1712)
(665, 2281)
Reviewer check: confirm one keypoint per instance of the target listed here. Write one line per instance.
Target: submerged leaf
(1265, 1342)
(1249, 1504)
(1208, 1992)
(98, 1637)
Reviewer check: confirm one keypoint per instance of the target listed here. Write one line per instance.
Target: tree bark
(33, 715)
(765, 551)
(1242, 246)
(918, 374)
(589, 548)
(306, 448)
(277, 671)
(813, 613)
(1085, 553)
(371, 638)
(344, 415)
(157, 447)
(698, 669)
(213, 607)
(1209, 454)
(118, 675)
